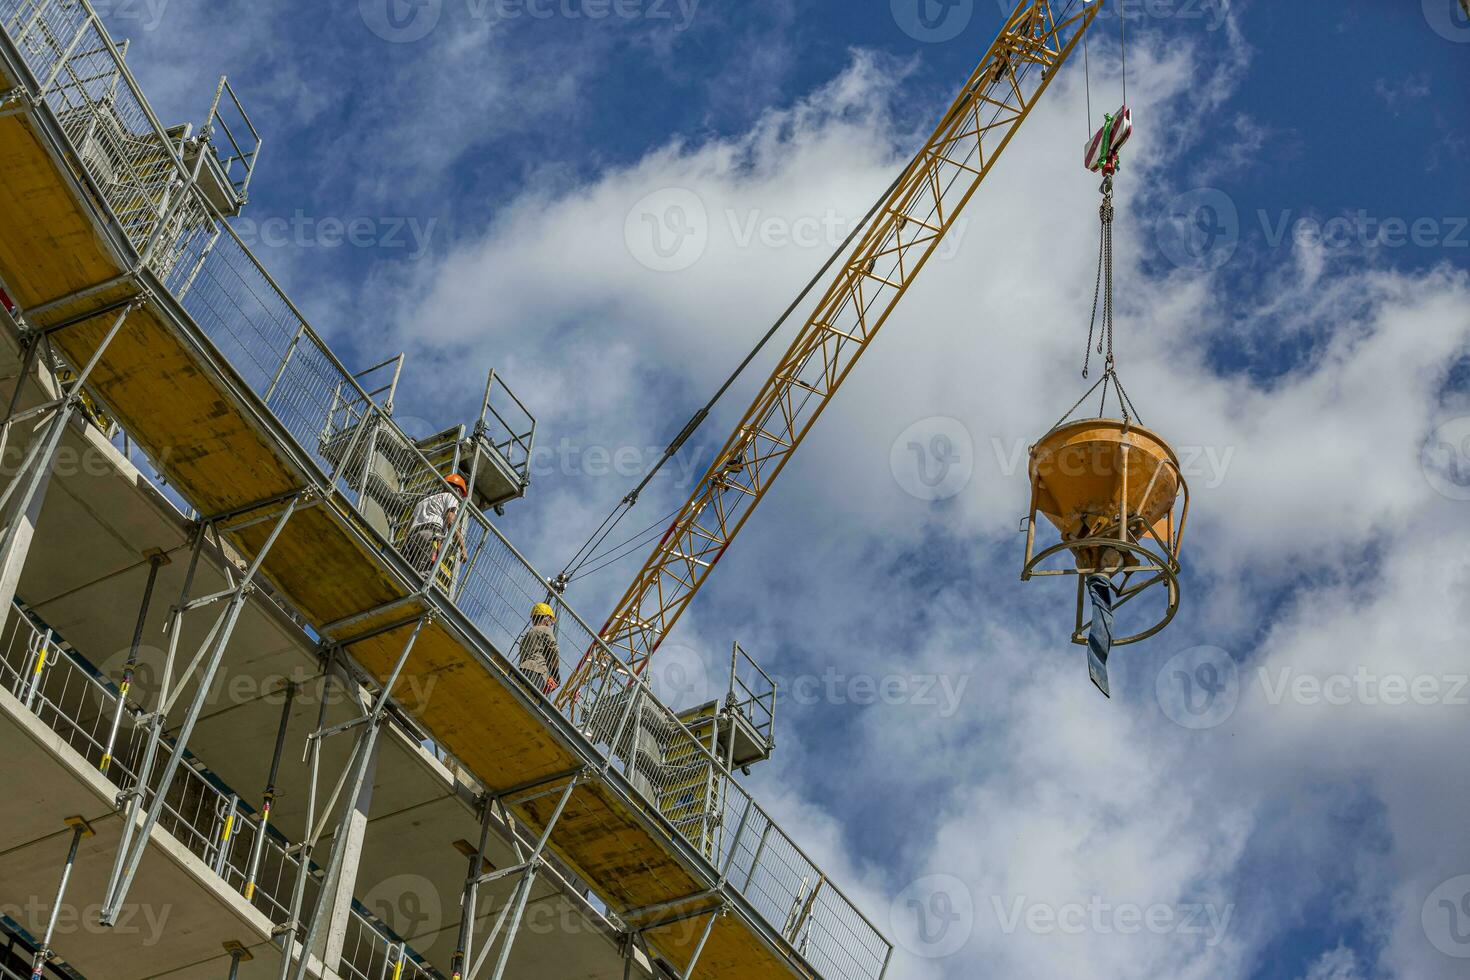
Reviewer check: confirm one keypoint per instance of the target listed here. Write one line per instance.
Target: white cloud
(1338, 964)
(1036, 790)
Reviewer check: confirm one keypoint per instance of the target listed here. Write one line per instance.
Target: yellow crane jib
(1035, 41)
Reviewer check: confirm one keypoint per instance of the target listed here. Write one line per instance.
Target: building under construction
(244, 730)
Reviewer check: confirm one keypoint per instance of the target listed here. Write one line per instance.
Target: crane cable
(621, 509)
(1103, 288)
(622, 550)
(610, 523)
(623, 506)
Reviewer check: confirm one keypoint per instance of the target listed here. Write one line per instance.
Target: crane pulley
(896, 242)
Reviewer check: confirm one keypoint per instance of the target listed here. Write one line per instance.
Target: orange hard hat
(457, 481)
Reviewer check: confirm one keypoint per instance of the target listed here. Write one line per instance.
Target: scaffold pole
(43, 450)
(129, 860)
(530, 867)
(360, 764)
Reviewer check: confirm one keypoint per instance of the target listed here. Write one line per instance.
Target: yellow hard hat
(542, 609)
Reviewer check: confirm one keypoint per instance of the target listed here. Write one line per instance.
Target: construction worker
(432, 519)
(540, 658)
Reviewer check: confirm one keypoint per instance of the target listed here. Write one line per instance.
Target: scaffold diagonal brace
(135, 839)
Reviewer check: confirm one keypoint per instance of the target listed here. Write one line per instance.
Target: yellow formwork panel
(474, 715)
(182, 414)
(325, 569)
(606, 843)
(732, 951)
(50, 248)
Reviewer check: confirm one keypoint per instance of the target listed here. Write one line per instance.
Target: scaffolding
(124, 268)
(69, 695)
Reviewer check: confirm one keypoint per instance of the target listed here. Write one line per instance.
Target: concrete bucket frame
(1116, 495)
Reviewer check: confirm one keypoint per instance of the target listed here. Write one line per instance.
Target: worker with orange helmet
(432, 518)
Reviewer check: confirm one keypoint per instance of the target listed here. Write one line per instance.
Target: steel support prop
(269, 797)
(639, 936)
(471, 892)
(34, 671)
(131, 800)
(211, 653)
(79, 829)
(303, 857)
(528, 870)
(155, 561)
(238, 954)
(359, 766)
(709, 927)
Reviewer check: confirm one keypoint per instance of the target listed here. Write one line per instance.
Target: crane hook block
(1101, 152)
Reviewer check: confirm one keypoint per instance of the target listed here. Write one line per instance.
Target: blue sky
(1293, 260)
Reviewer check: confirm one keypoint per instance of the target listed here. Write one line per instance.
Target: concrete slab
(177, 912)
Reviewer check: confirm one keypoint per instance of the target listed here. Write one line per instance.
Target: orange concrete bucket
(1115, 494)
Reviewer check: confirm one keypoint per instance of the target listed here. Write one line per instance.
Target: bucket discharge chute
(1100, 635)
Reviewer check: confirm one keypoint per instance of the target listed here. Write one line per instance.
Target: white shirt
(434, 511)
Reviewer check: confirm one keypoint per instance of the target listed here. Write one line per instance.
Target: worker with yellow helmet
(540, 658)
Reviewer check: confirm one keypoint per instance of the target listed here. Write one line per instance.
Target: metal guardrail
(276, 354)
(754, 693)
(514, 434)
(71, 698)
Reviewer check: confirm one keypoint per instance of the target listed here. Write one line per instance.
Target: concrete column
(339, 896)
(12, 563)
(19, 374)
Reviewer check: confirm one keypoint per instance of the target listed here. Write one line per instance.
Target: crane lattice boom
(900, 238)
